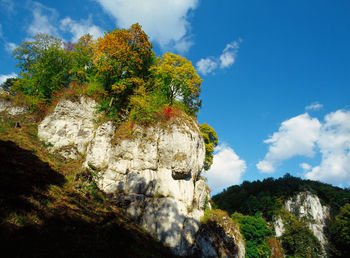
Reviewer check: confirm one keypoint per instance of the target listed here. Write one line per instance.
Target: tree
(121, 55)
(178, 80)
(210, 141)
(256, 233)
(82, 54)
(341, 231)
(44, 66)
(6, 85)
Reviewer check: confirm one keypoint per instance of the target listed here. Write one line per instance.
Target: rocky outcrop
(150, 172)
(279, 227)
(11, 110)
(70, 128)
(156, 171)
(307, 207)
(219, 237)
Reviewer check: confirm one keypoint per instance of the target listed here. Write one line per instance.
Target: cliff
(307, 208)
(151, 173)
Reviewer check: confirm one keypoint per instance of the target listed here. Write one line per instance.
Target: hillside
(50, 207)
(304, 214)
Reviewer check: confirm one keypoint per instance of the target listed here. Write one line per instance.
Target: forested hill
(268, 196)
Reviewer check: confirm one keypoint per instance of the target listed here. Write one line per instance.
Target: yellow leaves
(122, 48)
(211, 141)
(122, 85)
(119, 87)
(177, 76)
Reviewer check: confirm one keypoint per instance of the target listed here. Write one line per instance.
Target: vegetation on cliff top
(119, 70)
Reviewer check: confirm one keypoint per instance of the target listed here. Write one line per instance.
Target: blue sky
(276, 73)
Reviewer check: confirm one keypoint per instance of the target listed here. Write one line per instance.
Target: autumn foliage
(123, 58)
(120, 70)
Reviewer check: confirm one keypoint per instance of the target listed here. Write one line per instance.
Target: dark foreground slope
(49, 208)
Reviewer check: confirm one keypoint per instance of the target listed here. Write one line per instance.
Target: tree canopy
(211, 141)
(120, 67)
(44, 66)
(178, 79)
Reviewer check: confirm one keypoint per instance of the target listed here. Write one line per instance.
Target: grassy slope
(46, 209)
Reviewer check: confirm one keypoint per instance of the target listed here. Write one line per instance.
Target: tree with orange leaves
(123, 58)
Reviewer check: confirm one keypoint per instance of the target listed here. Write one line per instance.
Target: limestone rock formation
(219, 238)
(279, 227)
(307, 206)
(150, 172)
(11, 110)
(70, 128)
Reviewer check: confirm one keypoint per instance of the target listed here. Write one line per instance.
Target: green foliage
(256, 233)
(119, 70)
(44, 67)
(176, 77)
(211, 141)
(6, 85)
(298, 240)
(94, 88)
(268, 195)
(82, 52)
(340, 232)
(144, 107)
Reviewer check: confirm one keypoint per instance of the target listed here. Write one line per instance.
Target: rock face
(279, 227)
(151, 172)
(219, 239)
(70, 128)
(155, 172)
(11, 110)
(307, 206)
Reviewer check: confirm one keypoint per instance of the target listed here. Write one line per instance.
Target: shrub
(256, 233)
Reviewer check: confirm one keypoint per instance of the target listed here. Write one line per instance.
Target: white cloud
(334, 144)
(9, 46)
(226, 170)
(165, 21)
(206, 65)
(296, 136)
(228, 56)
(43, 20)
(78, 29)
(314, 106)
(46, 20)
(4, 77)
(305, 166)
(226, 59)
(302, 135)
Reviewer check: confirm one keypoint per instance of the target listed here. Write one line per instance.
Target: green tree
(341, 231)
(176, 77)
(44, 66)
(211, 141)
(298, 240)
(82, 54)
(6, 85)
(256, 233)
